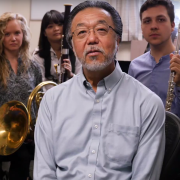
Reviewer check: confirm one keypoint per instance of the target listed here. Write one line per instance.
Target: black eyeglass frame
(107, 25)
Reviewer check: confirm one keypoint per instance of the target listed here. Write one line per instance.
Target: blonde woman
(18, 77)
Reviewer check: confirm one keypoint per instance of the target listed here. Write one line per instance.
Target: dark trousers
(20, 162)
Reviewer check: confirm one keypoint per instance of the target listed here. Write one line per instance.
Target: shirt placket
(153, 76)
(13, 76)
(57, 61)
(96, 132)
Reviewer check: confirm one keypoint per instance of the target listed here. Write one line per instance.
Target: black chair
(124, 65)
(4, 175)
(171, 163)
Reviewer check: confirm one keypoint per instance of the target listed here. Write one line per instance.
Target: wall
(24, 7)
(20, 6)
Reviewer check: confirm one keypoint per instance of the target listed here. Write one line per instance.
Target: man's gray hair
(97, 4)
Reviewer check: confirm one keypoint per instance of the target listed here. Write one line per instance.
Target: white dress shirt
(54, 60)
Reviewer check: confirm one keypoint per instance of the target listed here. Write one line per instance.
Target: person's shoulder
(145, 101)
(140, 90)
(60, 88)
(60, 92)
(34, 64)
(35, 51)
(141, 58)
(138, 63)
(36, 57)
(134, 83)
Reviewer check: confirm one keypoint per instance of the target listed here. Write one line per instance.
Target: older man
(102, 124)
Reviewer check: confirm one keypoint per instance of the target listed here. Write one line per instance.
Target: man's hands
(175, 66)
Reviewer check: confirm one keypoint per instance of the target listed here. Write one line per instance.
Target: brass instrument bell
(16, 121)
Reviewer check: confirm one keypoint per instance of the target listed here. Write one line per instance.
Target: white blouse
(54, 60)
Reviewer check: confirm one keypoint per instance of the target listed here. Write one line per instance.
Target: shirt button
(96, 126)
(89, 175)
(97, 100)
(93, 151)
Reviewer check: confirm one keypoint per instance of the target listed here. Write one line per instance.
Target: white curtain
(129, 12)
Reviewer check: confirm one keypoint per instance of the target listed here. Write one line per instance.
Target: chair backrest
(124, 65)
(171, 163)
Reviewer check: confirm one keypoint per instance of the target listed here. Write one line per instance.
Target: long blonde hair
(24, 50)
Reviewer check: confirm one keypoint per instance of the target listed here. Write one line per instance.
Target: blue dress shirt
(155, 76)
(116, 133)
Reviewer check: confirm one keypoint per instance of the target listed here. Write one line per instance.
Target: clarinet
(57, 68)
(171, 84)
(65, 46)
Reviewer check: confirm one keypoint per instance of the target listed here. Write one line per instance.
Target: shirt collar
(19, 61)
(112, 79)
(109, 81)
(52, 51)
(163, 58)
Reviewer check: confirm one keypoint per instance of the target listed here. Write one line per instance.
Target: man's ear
(118, 40)
(72, 46)
(173, 26)
(117, 43)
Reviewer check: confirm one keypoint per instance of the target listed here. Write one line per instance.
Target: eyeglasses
(99, 30)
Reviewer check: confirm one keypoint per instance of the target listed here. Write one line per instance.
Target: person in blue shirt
(102, 124)
(153, 68)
